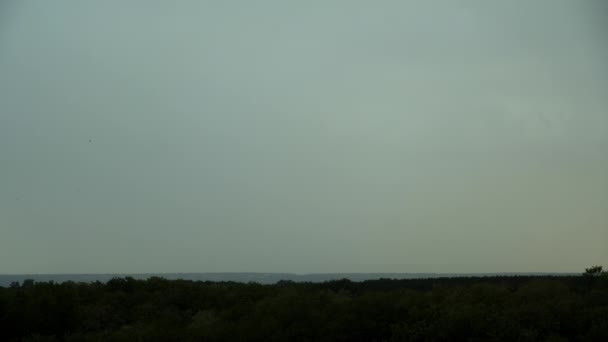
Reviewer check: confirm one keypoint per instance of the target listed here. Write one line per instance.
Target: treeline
(517, 308)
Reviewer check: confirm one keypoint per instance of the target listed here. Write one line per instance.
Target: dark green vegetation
(475, 309)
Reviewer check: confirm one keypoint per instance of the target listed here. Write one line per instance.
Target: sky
(311, 136)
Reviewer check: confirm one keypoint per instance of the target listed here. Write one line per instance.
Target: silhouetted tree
(594, 271)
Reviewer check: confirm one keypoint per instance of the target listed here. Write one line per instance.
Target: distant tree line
(502, 308)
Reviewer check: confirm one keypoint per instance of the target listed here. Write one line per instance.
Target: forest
(500, 308)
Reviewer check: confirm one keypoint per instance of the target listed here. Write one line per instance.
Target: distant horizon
(259, 277)
(289, 273)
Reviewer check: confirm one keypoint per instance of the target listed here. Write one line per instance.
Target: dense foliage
(474, 309)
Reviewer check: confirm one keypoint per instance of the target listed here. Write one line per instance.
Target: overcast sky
(310, 136)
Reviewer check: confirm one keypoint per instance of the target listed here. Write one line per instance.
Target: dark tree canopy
(505, 308)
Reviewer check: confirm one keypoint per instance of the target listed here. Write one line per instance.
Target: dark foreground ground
(505, 308)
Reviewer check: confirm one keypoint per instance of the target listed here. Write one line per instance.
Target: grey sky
(311, 136)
